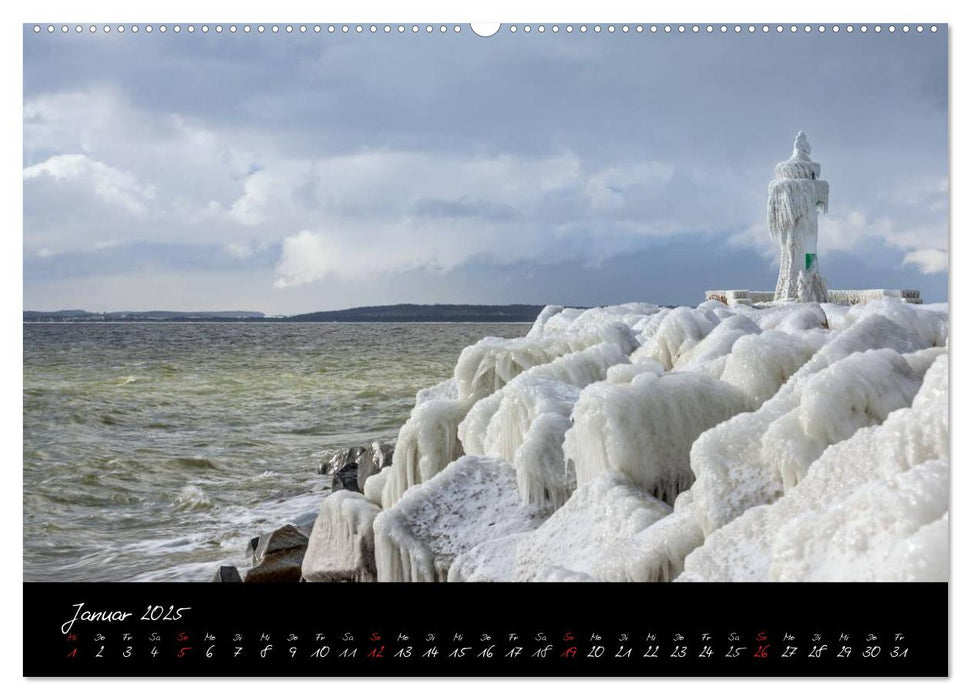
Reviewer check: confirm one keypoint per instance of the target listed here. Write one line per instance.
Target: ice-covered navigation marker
(795, 198)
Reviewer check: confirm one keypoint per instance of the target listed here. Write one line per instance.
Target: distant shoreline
(396, 313)
(76, 322)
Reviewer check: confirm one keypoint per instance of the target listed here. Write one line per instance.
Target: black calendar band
(563, 629)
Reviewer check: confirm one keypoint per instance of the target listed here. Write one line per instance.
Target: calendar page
(543, 349)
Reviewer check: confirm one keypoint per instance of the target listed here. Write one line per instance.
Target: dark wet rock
(378, 456)
(251, 548)
(227, 574)
(369, 460)
(305, 523)
(278, 556)
(340, 459)
(345, 478)
(282, 567)
(280, 540)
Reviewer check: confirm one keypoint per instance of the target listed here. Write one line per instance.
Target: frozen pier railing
(833, 296)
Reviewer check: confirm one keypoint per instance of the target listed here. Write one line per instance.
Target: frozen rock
(474, 500)
(345, 478)
(732, 474)
(760, 364)
(427, 443)
(442, 390)
(524, 422)
(556, 319)
(340, 459)
(368, 459)
(657, 553)
(491, 363)
(645, 429)
(625, 373)
(599, 514)
(490, 561)
(857, 391)
(864, 468)
(341, 546)
(374, 487)
(865, 536)
(676, 334)
(719, 342)
(931, 327)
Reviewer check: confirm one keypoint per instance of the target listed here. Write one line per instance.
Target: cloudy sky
(291, 173)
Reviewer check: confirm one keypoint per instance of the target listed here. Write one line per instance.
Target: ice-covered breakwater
(774, 442)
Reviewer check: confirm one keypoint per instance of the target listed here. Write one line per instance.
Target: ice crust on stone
(599, 514)
(854, 490)
(492, 363)
(796, 441)
(855, 392)
(472, 501)
(657, 553)
(645, 429)
(676, 334)
(491, 561)
(524, 422)
(341, 546)
(759, 364)
(426, 444)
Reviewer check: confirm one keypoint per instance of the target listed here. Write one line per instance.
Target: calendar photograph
(329, 306)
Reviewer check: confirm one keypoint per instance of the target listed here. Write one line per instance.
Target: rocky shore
(292, 553)
(727, 442)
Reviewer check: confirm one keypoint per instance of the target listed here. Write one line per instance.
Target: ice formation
(645, 429)
(795, 198)
(868, 508)
(524, 422)
(600, 514)
(426, 444)
(657, 553)
(731, 468)
(341, 546)
(675, 334)
(473, 501)
(491, 363)
(429, 440)
(795, 440)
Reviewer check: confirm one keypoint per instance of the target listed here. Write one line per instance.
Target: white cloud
(929, 260)
(110, 185)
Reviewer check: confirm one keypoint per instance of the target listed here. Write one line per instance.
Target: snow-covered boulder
(717, 343)
(657, 553)
(492, 363)
(341, 546)
(859, 390)
(760, 364)
(599, 514)
(490, 561)
(853, 491)
(524, 422)
(645, 429)
(678, 332)
(472, 501)
(733, 473)
(426, 444)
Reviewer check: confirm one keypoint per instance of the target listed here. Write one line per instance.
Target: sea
(155, 451)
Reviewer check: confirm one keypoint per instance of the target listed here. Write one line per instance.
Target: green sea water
(154, 451)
